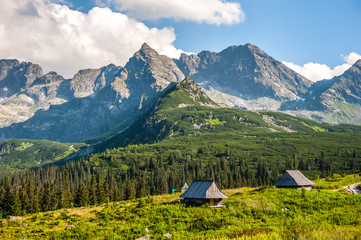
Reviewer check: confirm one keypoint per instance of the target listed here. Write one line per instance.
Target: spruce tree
(140, 185)
(81, 197)
(17, 208)
(100, 193)
(45, 197)
(93, 191)
(66, 198)
(129, 188)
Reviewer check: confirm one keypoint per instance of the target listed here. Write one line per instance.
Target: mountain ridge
(47, 106)
(245, 71)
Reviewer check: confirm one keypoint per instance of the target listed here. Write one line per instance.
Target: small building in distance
(204, 191)
(294, 179)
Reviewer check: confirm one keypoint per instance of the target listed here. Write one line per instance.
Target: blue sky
(310, 36)
(299, 31)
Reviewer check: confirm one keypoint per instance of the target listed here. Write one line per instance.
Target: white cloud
(209, 11)
(66, 40)
(317, 71)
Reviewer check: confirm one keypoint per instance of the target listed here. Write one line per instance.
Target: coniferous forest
(141, 170)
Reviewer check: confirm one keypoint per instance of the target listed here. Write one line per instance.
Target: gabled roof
(293, 178)
(204, 190)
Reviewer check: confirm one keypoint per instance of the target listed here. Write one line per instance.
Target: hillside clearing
(250, 213)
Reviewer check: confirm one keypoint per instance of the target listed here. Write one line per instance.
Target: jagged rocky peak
(188, 64)
(244, 71)
(83, 82)
(356, 68)
(191, 85)
(146, 50)
(144, 54)
(196, 93)
(338, 98)
(49, 78)
(16, 76)
(6, 65)
(89, 81)
(150, 67)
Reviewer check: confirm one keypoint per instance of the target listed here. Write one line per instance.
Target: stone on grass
(70, 227)
(167, 235)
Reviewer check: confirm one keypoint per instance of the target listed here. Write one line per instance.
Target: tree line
(134, 173)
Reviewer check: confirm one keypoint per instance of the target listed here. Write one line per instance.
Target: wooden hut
(294, 179)
(204, 191)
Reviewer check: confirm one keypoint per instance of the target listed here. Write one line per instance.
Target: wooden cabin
(204, 192)
(294, 179)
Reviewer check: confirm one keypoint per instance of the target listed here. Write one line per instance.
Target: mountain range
(105, 102)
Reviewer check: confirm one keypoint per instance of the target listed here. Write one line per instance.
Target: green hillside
(183, 138)
(22, 154)
(248, 214)
(186, 111)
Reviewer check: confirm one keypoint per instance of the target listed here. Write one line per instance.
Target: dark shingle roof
(293, 178)
(204, 190)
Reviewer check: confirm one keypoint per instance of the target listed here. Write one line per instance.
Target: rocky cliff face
(46, 106)
(94, 101)
(246, 72)
(337, 100)
(345, 88)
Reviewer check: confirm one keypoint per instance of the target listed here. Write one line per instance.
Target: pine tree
(66, 198)
(140, 185)
(45, 194)
(11, 204)
(29, 189)
(81, 197)
(93, 191)
(100, 193)
(35, 201)
(129, 188)
(17, 208)
(25, 202)
(5, 204)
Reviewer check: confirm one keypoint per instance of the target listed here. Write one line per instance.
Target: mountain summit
(105, 101)
(334, 100)
(244, 71)
(94, 101)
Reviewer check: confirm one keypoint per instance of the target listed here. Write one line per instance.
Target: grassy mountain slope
(186, 110)
(249, 214)
(186, 120)
(22, 154)
(199, 136)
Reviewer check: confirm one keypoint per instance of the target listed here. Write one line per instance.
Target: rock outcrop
(94, 101)
(104, 101)
(246, 72)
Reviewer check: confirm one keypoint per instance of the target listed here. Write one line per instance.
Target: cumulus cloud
(317, 71)
(209, 11)
(66, 40)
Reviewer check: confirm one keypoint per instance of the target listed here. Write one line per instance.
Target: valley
(103, 150)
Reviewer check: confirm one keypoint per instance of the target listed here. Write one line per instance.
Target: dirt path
(353, 188)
